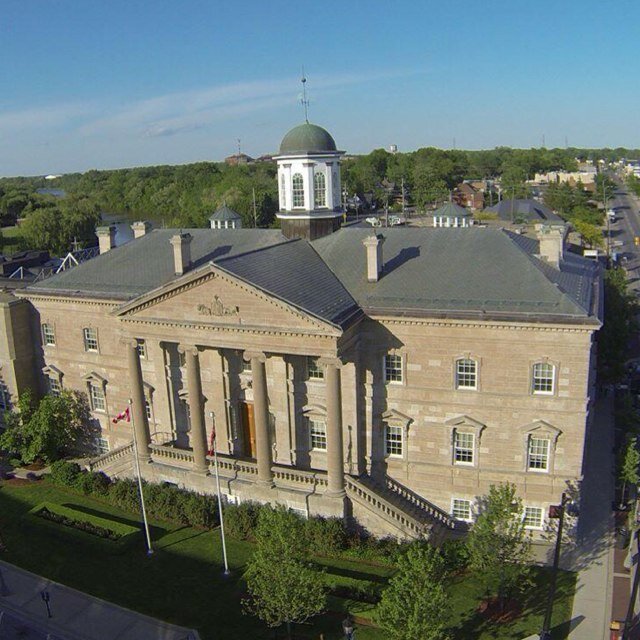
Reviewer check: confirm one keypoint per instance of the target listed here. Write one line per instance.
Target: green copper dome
(307, 138)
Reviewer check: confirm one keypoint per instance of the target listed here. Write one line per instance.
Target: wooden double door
(248, 429)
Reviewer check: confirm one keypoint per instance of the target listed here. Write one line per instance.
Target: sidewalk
(593, 557)
(75, 615)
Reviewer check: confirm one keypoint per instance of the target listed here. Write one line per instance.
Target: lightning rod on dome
(304, 101)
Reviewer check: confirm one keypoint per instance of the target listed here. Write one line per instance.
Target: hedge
(113, 536)
(163, 501)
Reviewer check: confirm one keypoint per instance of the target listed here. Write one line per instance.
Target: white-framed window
(96, 395)
(297, 190)
(393, 369)
(533, 517)
(461, 509)
(394, 440)
(466, 373)
(48, 335)
(90, 339)
(543, 378)
(102, 445)
(246, 366)
(5, 397)
(55, 386)
(315, 371)
(318, 434)
(142, 348)
(538, 454)
(320, 190)
(463, 447)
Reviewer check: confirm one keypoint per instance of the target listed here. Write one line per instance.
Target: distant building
(467, 195)
(586, 175)
(524, 211)
(239, 158)
(225, 218)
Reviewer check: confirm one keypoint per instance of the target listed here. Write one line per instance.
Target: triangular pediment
(211, 296)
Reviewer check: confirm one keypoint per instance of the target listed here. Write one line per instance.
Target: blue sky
(105, 84)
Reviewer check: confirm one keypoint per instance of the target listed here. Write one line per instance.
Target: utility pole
(255, 213)
(558, 512)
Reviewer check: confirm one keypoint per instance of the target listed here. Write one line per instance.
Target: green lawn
(183, 583)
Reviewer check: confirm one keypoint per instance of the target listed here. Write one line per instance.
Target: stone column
(335, 455)
(138, 409)
(261, 416)
(198, 434)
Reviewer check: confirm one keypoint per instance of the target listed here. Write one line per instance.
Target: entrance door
(248, 429)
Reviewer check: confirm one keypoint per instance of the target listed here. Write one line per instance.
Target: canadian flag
(212, 440)
(123, 415)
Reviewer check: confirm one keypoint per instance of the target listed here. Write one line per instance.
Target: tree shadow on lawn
(350, 573)
(467, 593)
(155, 530)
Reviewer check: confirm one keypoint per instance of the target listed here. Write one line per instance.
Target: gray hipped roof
(224, 213)
(452, 210)
(524, 210)
(486, 273)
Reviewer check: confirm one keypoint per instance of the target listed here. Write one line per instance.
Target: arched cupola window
(297, 190)
(320, 190)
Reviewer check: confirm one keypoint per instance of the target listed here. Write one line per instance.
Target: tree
(283, 587)
(45, 430)
(499, 545)
(590, 234)
(629, 469)
(619, 323)
(413, 606)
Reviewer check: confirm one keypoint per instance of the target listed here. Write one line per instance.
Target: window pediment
(392, 416)
(95, 377)
(317, 410)
(465, 422)
(541, 428)
(52, 372)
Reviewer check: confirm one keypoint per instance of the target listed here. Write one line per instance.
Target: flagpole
(215, 466)
(143, 508)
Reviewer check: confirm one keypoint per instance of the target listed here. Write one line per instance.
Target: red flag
(212, 440)
(123, 415)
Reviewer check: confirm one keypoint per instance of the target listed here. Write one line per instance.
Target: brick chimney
(181, 243)
(140, 228)
(106, 238)
(373, 246)
(551, 238)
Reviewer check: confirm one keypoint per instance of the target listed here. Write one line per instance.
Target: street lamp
(555, 511)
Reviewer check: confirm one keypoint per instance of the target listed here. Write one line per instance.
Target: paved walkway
(593, 557)
(75, 615)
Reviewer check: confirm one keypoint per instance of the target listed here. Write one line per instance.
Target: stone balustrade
(435, 512)
(107, 459)
(358, 491)
(171, 455)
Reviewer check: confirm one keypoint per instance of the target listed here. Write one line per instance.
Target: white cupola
(309, 183)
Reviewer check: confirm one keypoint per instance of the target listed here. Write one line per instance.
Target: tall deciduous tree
(499, 544)
(45, 430)
(414, 605)
(283, 587)
(629, 469)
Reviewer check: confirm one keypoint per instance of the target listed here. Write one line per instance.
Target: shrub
(200, 510)
(455, 555)
(124, 494)
(240, 521)
(65, 473)
(165, 502)
(93, 482)
(326, 536)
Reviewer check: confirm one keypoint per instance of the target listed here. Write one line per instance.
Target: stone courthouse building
(391, 378)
